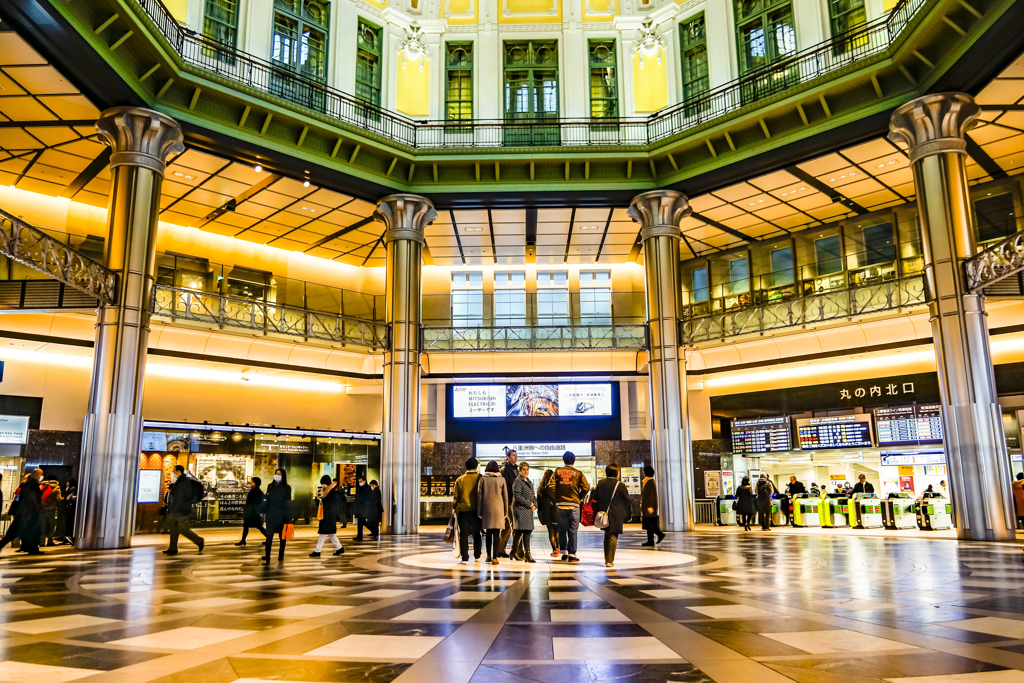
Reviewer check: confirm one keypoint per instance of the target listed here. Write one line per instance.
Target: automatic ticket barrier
(725, 515)
(899, 511)
(867, 508)
(835, 511)
(780, 510)
(806, 510)
(934, 512)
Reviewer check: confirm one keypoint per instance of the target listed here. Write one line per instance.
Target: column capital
(934, 124)
(405, 216)
(139, 137)
(659, 212)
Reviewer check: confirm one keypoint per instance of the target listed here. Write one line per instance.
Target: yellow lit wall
(650, 84)
(599, 10)
(461, 12)
(413, 86)
(178, 9)
(530, 11)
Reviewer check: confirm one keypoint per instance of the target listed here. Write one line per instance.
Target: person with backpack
(251, 517)
(745, 504)
(329, 511)
(569, 487)
(466, 501)
(764, 501)
(185, 492)
(546, 510)
(649, 513)
(277, 512)
(613, 503)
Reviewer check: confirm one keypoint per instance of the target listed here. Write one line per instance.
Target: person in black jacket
(863, 485)
(342, 503)
(375, 513)
(185, 492)
(509, 472)
(28, 523)
(765, 489)
(363, 503)
(613, 498)
(251, 518)
(745, 504)
(277, 512)
(546, 510)
(649, 513)
(330, 510)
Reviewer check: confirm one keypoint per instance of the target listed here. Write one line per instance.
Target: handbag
(288, 532)
(601, 518)
(588, 510)
(320, 511)
(451, 531)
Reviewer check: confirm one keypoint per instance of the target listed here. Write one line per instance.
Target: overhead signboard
(531, 400)
(904, 458)
(496, 451)
(13, 429)
(761, 435)
(834, 431)
(909, 425)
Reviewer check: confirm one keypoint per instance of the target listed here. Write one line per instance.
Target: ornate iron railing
(809, 310)
(839, 52)
(996, 263)
(536, 338)
(266, 317)
(37, 250)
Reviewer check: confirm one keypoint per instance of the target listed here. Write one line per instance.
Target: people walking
(764, 501)
(51, 497)
(612, 499)
(361, 507)
(509, 472)
(466, 498)
(492, 506)
(28, 523)
(375, 512)
(546, 510)
(277, 512)
(524, 502)
(863, 485)
(568, 486)
(745, 504)
(69, 507)
(251, 517)
(815, 492)
(649, 508)
(328, 513)
(342, 503)
(185, 492)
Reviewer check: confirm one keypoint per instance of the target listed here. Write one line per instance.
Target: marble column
(933, 128)
(140, 141)
(404, 217)
(659, 214)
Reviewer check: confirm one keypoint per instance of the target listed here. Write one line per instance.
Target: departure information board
(837, 431)
(761, 435)
(919, 424)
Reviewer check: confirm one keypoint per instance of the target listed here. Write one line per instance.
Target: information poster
(712, 483)
(13, 429)
(630, 477)
(585, 399)
(149, 486)
(906, 484)
(483, 400)
(531, 400)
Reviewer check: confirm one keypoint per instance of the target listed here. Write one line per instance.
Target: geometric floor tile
(670, 593)
(300, 590)
(632, 648)
(732, 611)
(836, 641)
(206, 603)
(380, 593)
(474, 595)
(572, 595)
(185, 638)
(64, 623)
(377, 648)
(588, 616)
(306, 611)
(1010, 629)
(1005, 676)
(436, 614)
(630, 582)
(17, 606)
(21, 672)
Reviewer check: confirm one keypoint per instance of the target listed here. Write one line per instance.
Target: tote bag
(601, 518)
(288, 532)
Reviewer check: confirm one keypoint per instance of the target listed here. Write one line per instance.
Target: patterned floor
(706, 606)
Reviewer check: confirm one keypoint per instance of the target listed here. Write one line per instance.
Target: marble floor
(707, 606)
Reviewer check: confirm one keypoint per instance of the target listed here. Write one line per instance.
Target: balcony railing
(537, 338)
(43, 295)
(809, 310)
(267, 318)
(995, 264)
(839, 52)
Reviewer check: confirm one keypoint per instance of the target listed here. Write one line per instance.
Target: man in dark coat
(251, 517)
(764, 501)
(649, 513)
(328, 513)
(183, 494)
(28, 523)
(509, 472)
(363, 504)
(376, 511)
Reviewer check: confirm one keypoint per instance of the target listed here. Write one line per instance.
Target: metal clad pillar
(659, 214)
(140, 141)
(404, 217)
(933, 127)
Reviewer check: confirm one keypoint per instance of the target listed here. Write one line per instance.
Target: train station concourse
(699, 322)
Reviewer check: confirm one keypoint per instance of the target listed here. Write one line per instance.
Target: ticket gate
(934, 512)
(835, 511)
(867, 510)
(899, 511)
(806, 510)
(780, 510)
(724, 514)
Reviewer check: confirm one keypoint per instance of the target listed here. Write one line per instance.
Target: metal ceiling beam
(724, 228)
(982, 158)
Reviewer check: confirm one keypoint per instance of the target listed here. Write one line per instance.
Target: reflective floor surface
(751, 608)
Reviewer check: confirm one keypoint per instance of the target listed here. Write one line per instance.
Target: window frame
(530, 67)
(594, 288)
(375, 51)
(460, 68)
(222, 55)
(686, 48)
(611, 80)
(769, 9)
(551, 286)
(301, 19)
(473, 294)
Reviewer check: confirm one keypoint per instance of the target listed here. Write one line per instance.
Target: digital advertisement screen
(149, 485)
(531, 400)
(837, 431)
(761, 435)
(909, 425)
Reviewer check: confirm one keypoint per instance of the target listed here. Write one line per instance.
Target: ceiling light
(880, 166)
(305, 183)
(188, 177)
(178, 173)
(257, 168)
(831, 180)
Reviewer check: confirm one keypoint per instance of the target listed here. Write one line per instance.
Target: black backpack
(196, 490)
(763, 487)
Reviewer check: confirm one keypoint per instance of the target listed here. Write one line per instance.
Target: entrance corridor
(707, 606)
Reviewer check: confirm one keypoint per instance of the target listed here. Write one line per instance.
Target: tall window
(694, 44)
(766, 32)
(467, 299)
(369, 41)
(596, 297)
(604, 84)
(878, 244)
(510, 299)
(739, 276)
(700, 285)
(220, 22)
(782, 267)
(531, 79)
(458, 70)
(846, 14)
(996, 218)
(828, 255)
(552, 298)
(299, 42)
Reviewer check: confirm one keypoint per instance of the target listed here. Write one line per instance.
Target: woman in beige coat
(492, 504)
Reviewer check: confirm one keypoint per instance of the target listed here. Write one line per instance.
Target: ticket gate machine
(934, 512)
(835, 511)
(867, 510)
(724, 513)
(899, 511)
(780, 510)
(806, 510)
